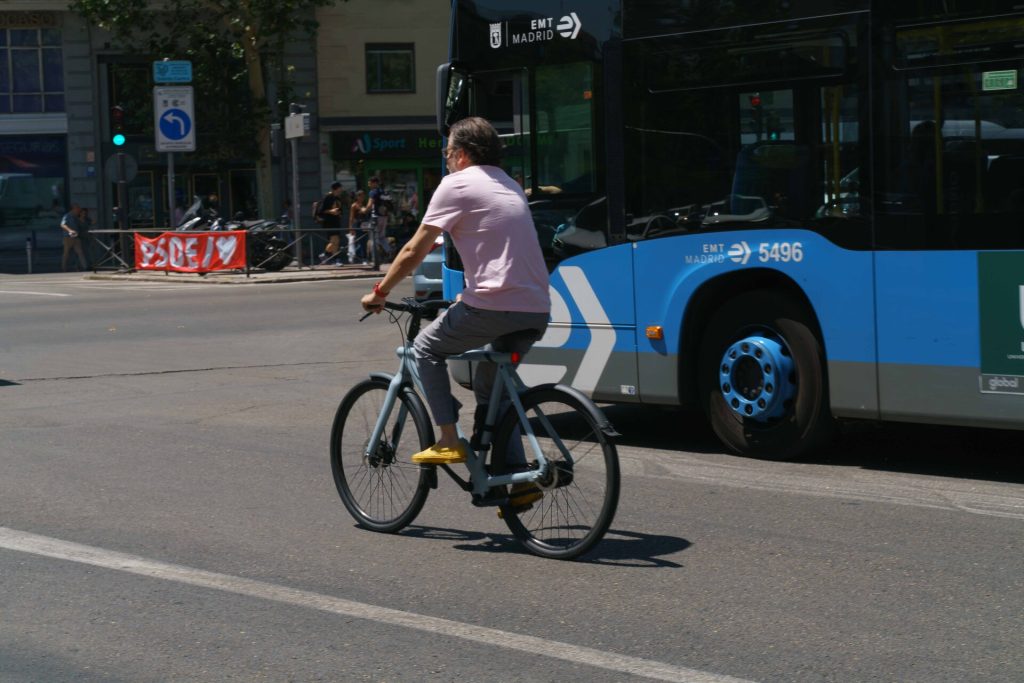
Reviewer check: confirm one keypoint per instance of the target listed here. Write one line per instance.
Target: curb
(308, 275)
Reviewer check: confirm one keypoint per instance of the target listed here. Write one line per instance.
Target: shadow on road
(620, 548)
(941, 451)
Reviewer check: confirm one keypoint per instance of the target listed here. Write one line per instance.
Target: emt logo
(541, 30)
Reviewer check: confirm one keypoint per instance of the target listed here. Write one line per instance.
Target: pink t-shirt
(487, 216)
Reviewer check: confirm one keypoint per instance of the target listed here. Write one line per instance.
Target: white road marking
(12, 291)
(25, 542)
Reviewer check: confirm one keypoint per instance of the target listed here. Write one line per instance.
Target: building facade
(59, 80)
(368, 83)
(48, 135)
(376, 66)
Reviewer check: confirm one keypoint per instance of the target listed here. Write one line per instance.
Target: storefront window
(407, 162)
(32, 199)
(140, 200)
(31, 71)
(244, 197)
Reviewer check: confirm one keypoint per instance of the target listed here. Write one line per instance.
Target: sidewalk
(290, 274)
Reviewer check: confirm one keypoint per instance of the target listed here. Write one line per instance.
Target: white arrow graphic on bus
(740, 253)
(602, 336)
(569, 27)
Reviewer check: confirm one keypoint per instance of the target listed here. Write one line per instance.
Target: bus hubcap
(757, 378)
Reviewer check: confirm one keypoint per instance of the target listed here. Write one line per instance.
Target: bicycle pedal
(431, 476)
(491, 499)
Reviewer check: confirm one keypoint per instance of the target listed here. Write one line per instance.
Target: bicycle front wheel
(378, 483)
(581, 488)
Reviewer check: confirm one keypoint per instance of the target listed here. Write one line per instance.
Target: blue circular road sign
(175, 124)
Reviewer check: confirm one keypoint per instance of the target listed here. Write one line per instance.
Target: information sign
(170, 71)
(296, 126)
(999, 80)
(174, 119)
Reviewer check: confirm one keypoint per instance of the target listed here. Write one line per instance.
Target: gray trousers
(462, 328)
(76, 244)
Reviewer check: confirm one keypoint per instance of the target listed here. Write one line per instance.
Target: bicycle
(575, 466)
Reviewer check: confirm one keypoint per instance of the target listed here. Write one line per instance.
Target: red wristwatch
(380, 292)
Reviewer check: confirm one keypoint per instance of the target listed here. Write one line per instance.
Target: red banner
(192, 252)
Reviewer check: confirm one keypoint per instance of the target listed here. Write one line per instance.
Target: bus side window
(951, 164)
(711, 150)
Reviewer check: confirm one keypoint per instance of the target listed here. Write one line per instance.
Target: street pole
(170, 191)
(296, 217)
(122, 201)
(296, 125)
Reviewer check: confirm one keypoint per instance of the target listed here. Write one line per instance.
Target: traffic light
(757, 114)
(117, 125)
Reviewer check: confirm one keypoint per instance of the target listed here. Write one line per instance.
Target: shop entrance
(408, 185)
(235, 193)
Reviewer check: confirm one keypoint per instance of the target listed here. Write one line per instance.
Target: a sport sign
(198, 252)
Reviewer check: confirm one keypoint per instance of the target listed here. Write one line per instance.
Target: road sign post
(174, 125)
(296, 125)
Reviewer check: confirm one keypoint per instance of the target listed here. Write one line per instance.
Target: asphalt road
(167, 514)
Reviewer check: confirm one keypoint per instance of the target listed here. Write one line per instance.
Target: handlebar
(411, 305)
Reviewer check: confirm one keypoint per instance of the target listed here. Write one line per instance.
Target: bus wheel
(762, 377)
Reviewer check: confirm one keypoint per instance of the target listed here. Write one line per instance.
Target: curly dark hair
(478, 139)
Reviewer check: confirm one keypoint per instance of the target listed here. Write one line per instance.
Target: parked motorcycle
(266, 249)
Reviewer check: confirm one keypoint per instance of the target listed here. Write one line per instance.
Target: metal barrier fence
(116, 248)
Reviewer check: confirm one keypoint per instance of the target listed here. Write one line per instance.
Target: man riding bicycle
(505, 301)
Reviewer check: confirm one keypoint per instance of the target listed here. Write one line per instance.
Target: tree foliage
(236, 47)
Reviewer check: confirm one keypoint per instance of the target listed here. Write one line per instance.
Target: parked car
(427, 276)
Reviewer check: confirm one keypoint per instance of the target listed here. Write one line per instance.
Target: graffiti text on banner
(197, 252)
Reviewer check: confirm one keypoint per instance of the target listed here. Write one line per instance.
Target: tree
(235, 47)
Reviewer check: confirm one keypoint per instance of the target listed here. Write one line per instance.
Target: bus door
(950, 224)
(743, 172)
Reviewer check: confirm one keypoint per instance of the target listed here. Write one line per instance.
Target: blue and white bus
(781, 212)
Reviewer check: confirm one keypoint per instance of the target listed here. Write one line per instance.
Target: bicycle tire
(580, 499)
(385, 491)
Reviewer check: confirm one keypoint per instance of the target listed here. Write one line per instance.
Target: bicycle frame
(506, 381)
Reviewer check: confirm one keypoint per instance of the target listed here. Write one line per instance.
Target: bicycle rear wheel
(381, 488)
(581, 489)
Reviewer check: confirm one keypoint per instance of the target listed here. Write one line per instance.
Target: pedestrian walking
(71, 225)
(378, 209)
(328, 214)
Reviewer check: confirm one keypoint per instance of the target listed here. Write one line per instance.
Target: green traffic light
(118, 140)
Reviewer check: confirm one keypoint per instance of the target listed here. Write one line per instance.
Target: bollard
(28, 253)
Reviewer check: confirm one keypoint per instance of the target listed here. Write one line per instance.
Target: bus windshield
(549, 141)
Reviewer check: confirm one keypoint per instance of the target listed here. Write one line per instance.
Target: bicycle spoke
(379, 488)
(580, 487)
